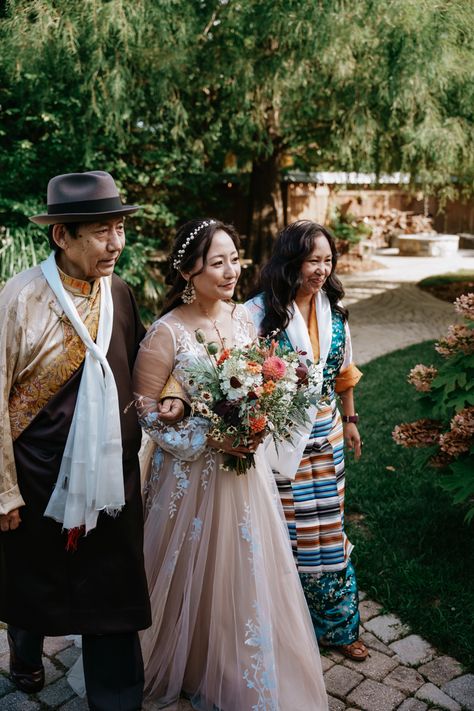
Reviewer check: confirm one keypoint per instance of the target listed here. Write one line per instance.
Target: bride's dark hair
(192, 241)
(280, 278)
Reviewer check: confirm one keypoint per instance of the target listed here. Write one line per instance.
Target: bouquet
(259, 390)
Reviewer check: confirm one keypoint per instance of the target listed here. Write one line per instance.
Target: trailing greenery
(413, 551)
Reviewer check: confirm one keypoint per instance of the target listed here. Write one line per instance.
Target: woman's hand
(225, 445)
(352, 439)
(10, 521)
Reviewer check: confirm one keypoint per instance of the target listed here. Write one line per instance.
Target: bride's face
(221, 270)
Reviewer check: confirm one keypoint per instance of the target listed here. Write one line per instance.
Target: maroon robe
(101, 587)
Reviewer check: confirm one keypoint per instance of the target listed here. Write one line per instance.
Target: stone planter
(427, 244)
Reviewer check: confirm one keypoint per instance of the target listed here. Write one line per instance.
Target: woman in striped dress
(299, 298)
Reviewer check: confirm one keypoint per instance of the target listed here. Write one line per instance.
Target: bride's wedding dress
(231, 629)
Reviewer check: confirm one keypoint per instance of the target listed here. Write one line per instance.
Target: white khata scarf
(91, 477)
(286, 458)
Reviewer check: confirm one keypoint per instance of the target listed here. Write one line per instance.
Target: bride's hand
(226, 445)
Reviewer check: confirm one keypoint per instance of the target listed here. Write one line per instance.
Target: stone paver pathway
(403, 672)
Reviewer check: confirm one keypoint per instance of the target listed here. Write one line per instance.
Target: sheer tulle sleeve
(155, 363)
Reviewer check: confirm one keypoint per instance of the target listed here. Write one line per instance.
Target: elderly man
(70, 503)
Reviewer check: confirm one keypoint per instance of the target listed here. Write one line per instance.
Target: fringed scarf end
(73, 536)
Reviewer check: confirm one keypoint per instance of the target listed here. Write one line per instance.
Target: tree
(173, 97)
(371, 85)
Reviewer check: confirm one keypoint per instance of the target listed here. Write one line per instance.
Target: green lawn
(413, 552)
(448, 278)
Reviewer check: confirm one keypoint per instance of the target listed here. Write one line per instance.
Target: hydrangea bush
(446, 396)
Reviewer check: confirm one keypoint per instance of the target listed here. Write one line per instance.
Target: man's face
(94, 251)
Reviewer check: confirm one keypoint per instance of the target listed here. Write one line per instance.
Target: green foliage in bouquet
(446, 397)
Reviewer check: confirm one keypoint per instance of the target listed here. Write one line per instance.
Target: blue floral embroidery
(245, 525)
(210, 459)
(258, 677)
(181, 472)
(196, 529)
(186, 440)
(246, 534)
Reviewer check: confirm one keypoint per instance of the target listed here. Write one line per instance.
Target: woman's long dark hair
(280, 278)
(185, 257)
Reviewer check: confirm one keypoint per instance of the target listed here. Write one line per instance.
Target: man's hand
(171, 410)
(10, 521)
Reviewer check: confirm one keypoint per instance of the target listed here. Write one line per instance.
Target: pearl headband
(177, 261)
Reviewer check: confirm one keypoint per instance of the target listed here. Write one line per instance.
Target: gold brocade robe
(39, 352)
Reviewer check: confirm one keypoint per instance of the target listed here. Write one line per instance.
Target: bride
(231, 630)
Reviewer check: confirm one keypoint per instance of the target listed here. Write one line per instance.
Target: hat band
(86, 207)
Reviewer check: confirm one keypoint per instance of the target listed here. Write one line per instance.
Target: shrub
(446, 395)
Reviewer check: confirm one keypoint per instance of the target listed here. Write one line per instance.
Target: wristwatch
(351, 418)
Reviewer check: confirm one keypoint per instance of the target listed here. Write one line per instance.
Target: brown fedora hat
(74, 197)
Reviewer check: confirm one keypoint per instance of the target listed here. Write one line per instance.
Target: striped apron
(313, 504)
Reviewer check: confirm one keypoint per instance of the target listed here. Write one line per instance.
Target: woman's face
(316, 267)
(221, 270)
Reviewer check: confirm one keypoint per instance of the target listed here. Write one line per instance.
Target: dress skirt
(231, 629)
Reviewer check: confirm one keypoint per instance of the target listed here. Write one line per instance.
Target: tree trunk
(265, 208)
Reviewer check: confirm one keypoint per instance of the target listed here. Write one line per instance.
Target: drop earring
(189, 294)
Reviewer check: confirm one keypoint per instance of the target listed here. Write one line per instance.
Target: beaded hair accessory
(177, 261)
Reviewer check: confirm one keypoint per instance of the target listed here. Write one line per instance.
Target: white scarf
(285, 458)
(91, 476)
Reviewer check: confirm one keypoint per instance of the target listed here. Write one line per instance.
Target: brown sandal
(357, 651)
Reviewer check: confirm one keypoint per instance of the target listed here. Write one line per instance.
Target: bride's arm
(153, 366)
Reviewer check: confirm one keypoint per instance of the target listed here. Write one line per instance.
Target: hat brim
(84, 216)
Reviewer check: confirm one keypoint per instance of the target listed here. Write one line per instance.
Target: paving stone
(340, 680)
(404, 678)
(441, 670)
(56, 693)
(19, 702)
(68, 656)
(429, 692)
(51, 672)
(388, 628)
(5, 663)
(3, 642)
(413, 705)
(413, 650)
(377, 666)
(336, 656)
(373, 696)
(53, 645)
(362, 595)
(5, 685)
(372, 642)
(462, 689)
(335, 704)
(76, 704)
(369, 609)
(326, 663)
